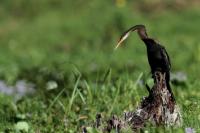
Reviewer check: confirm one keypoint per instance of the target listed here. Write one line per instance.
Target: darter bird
(157, 55)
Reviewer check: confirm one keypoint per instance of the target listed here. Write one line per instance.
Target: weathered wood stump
(159, 108)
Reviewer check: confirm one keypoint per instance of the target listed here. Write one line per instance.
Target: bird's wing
(166, 57)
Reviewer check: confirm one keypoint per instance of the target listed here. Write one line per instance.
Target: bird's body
(158, 59)
(157, 56)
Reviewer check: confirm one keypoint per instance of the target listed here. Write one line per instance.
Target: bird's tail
(168, 85)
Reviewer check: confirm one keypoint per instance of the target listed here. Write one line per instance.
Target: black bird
(157, 55)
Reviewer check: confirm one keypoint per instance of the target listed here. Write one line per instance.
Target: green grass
(71, 43)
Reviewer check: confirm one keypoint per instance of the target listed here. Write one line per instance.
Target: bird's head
(139, 28)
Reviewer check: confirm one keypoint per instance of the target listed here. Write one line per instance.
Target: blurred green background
(58, 41)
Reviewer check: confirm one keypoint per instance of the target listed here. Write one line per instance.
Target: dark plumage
(157, 55)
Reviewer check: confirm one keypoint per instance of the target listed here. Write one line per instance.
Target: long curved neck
(142, 33)
(149, 42)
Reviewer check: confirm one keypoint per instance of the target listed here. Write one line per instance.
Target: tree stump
(159, 108)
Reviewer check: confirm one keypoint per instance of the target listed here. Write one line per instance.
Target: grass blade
(56, 98)
(74, 93)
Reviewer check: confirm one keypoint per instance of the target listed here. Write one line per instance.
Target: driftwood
(159, 108)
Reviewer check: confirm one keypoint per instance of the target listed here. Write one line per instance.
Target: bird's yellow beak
(119, 43)
(124, 37)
